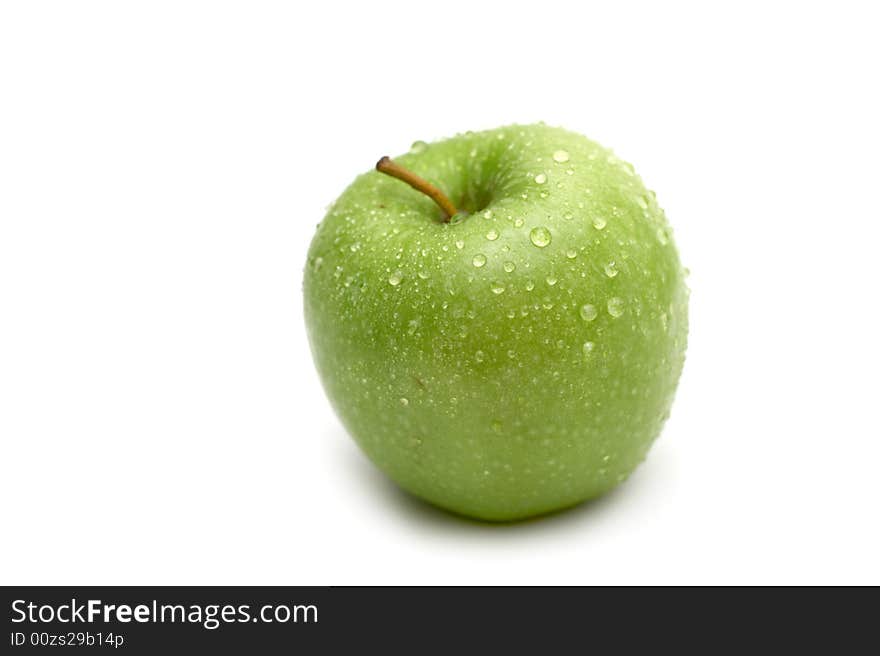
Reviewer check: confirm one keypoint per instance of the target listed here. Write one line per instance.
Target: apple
(499, 319)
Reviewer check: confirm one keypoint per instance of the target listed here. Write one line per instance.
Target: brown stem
(390, 167)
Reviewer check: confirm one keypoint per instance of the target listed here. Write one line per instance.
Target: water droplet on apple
(589, 312)
(571, 253)
(641, 202)
(509, 267)
(611, 269)
(404, 401)
(479, 356)
(541, 178)
(518, 223)
(319, 261)
(530, 285)
(479, 260)
(497, 288)
(395, 278)
(423, 274)
(459, 244)
(560, 156)
(588, 348)
(418, 147)
(568, 215)
(487, 214)
(615, 306)
(599, 222)
(551, 280)
(492, 235)
(661, 236)
(540, 236)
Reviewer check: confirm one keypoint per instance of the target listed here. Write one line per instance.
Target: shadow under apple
(358, 467)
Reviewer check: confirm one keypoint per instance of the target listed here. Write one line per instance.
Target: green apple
(504, 334)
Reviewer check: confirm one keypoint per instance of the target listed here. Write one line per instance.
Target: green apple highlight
(509, 345)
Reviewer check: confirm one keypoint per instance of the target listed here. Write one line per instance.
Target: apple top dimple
(541, 212)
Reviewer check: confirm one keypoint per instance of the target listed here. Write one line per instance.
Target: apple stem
(389, 167)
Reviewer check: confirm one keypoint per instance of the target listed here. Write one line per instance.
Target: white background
(162, 169)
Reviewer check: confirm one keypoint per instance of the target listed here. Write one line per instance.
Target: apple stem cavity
(389, 167)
